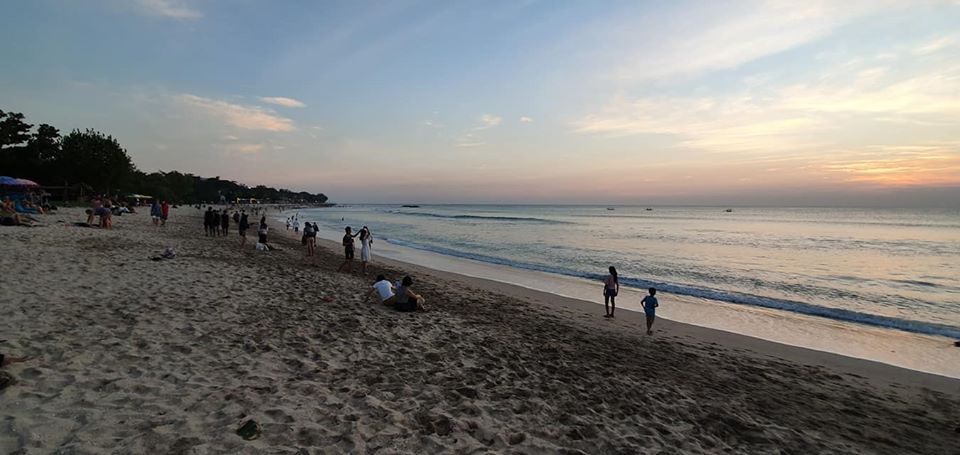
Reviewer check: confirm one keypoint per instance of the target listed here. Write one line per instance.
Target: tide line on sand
(132, 355)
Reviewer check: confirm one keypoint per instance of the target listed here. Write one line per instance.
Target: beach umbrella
(25, 182)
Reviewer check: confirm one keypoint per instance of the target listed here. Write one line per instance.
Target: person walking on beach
(650, 304)
(155, 212)
(611, 287)
(164, 213)
(296, 225)
(242, 226)
(310, 237)
(208, 222)
(347, 251)
(366, 241)
(225, 222)
(262, 234)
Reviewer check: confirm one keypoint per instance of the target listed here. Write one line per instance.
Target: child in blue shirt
(650, 304)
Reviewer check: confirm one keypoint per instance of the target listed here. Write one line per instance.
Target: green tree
(95, 159)
(14, 131)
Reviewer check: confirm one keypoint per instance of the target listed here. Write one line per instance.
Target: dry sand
(138, 356)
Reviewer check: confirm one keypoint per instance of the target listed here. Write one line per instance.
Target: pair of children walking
(611, 287)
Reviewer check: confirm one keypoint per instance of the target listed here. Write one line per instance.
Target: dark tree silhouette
(94, 159)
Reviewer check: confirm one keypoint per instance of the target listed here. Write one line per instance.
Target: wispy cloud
(925, 164)
(176, 9)
(469, 140)
(732, 34)
(282, 101)
(246, 117)
(242, 149)
(488, 121)
(938, 44)
(526, 119)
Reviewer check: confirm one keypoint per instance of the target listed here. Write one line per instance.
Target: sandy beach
(132, 355)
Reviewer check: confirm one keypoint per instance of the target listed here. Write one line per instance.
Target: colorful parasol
(25, 182)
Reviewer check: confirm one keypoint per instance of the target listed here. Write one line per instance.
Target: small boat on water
(649, 209)
(728, 210)
(610, 208)
(410, 206)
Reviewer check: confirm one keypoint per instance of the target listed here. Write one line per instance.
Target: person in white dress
(366, 241)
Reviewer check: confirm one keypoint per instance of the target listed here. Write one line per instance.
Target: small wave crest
(839, 314)
(518, 219)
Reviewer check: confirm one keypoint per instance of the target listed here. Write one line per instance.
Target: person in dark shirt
(242, 226)
(225, 221)
(347, 251)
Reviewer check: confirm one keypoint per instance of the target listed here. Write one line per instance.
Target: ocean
(895, 269)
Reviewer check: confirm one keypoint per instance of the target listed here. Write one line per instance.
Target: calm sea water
(896, 268)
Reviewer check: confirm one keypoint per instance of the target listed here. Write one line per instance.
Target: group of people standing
(216, 223)
(611, 287)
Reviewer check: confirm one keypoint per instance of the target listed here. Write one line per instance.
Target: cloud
(937, 44)
(929, 164)
(176, 9)
(488, 121)
(526, 119)
(246, 117)
(469, 140)
(733, 34)
(281, 101)
(242, 149)
(230, 137)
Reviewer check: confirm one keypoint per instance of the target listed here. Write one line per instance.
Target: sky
(816, 102)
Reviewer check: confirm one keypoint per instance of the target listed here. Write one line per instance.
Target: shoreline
(134, 355)
(930, 354)
(631, 322)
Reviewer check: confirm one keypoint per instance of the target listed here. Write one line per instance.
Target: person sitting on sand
(384, 289)
(406, 300)
(347, 251)
(611, 287)
(650, 304)
(12, 218)
(8, 205)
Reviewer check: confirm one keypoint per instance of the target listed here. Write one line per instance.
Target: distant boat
(649, 209)
(410, 206)
(728, 210)
(610, 208)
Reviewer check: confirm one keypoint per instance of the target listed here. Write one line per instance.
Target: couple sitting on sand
(611, 287)
(400, 296)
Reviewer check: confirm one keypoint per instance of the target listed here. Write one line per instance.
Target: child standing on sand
(650, 304)
(611, 287)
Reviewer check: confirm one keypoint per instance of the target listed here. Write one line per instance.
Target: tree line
(99, 164)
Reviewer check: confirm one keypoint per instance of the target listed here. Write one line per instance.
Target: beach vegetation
(98, 163)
